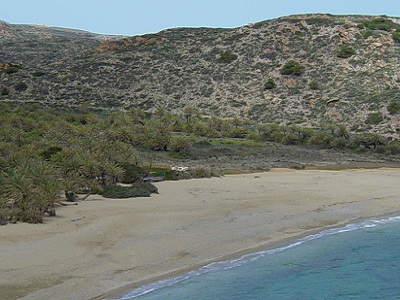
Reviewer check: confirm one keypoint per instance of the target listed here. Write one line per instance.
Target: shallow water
(359, 261)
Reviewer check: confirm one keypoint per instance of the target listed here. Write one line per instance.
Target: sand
(105, 245)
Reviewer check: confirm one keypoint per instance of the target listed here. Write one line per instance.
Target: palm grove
(47, 156)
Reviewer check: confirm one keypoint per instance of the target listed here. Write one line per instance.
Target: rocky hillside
(306, 69)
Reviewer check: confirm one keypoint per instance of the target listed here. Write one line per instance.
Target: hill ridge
(347, 71)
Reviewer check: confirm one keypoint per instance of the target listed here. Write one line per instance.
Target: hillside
(343, 69)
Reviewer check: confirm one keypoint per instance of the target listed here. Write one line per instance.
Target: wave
(234, 263)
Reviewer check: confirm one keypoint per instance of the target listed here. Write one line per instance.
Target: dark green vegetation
(135, 190)
(292, 67)
(270, 84)
(380, 23)
(345, 52)
(227, 57)
(374, 118)
(394, 107)
(48, 156)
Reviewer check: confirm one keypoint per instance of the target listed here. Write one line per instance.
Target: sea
(357, 261)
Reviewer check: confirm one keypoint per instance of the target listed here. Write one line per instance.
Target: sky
(136, 17)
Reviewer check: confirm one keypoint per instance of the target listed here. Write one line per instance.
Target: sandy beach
(103, 246)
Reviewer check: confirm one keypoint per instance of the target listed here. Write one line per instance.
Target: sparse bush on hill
(314, 85)
(11, 70)
(4, 91)
(394, 107)
(38, 73)
(374, 118)
(396, 36)
(292, 67)
(367, 33)
(227, 57)
(270, 84)
(20, 86)
(381, 23)
(345, 52)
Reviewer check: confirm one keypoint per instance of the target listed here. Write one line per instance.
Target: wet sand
(103, 246)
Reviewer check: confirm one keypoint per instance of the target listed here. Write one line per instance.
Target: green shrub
(314, 85)
(20, 86)
(38, 73)
(380, 23)
(292, 67)
(186, 154)
(396, 36)
(345, 52)
(227, 57)
(367, 33)
(394, 107)
(4, 91)
(393, 148)
(270, 84)
(204, 143)
(142, 189)
(11, 69)
(165, 173)
(133, 173)
(374, 118)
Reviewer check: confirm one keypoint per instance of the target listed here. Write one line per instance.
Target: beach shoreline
(120, 292)
(95, 250)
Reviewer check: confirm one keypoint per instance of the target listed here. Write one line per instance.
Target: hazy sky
(132, 17)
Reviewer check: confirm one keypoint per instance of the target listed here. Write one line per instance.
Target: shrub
(393, 148)
(227, 57)
(133, 173)
(367, 33)
(20, 86)
(396, 36)
(394, 107)
(11, 69)
(165, 173)
(4, 91)
(38, 73)
(270, 84)
(292, 67)
(314, 85)
(374, 118)
(380, 23)
(142, 189)
(200, 173)
(345, 52)
(204, 143)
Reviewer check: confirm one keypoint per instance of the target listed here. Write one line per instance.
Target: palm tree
(71, 170)
(31, 186)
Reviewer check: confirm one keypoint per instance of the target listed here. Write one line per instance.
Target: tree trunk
(87, 195)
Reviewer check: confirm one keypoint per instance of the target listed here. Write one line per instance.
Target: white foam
(233, 263)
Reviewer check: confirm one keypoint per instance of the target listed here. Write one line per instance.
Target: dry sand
(102, 245)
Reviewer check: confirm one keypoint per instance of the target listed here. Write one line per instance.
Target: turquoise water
(359, 261)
